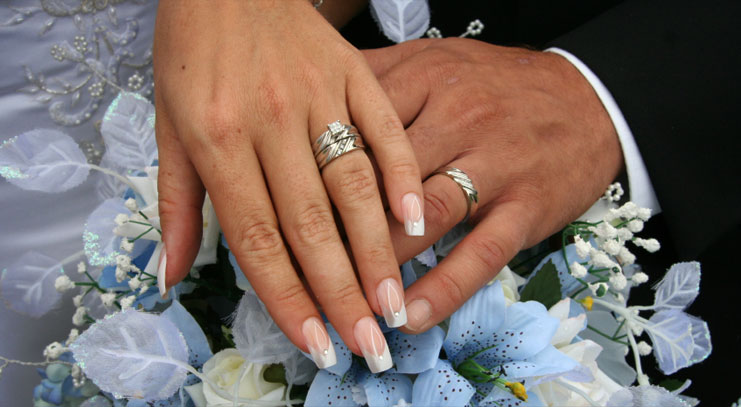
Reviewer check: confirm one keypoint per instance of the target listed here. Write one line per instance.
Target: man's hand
(525, 126)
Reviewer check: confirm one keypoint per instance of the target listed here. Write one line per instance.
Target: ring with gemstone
(336, 141)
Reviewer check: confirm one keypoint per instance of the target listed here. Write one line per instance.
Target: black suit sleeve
(672, 67)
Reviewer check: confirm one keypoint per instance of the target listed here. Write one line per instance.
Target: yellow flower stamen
(518, 390)
(587, 302)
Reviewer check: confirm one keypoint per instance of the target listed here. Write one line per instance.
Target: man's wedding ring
(465, 183)
(336, 141)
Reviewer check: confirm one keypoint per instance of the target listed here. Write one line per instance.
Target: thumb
(181, 196)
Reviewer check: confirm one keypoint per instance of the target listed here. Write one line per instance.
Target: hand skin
(241, 86)
(524, 125)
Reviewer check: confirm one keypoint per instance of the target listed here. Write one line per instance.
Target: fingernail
(391, 298)
(414, 220)
(319, 344)
(419, 312)
(162, 273)
(372, 345)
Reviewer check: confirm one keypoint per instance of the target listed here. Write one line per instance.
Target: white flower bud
(54, 350)
(618, 281)
(77, 300)
(81, 267)
(600, 259)
(63, 283)
(108, 299)
(604, 230)
(135, 283)
(644, 349)
(121, 274)
(78, 378)
(635, 226)
(127, 302)
(651, 245)
(123, 260)
(611, 246)
(79, 318)
(625, 257)
(195, 273)
(126, 245)
(637, 330)
(598, 289)
(577, 270)
(144, 287)
(582, 247)
(639, 278)
(121, 218)
(624, 234)
(131, 205)
(629, 210)
(73, 335)
(644, 214)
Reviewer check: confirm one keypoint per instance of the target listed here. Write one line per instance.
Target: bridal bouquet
(559, 334)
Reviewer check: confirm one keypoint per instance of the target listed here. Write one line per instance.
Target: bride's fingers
(472, 263)
(308, 226)
(242, 202)
(181, 195)
(382, 131)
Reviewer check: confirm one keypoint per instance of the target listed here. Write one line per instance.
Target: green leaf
(275, 373)
(544, 287)
(671, 384)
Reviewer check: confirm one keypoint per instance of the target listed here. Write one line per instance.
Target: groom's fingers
(181, 195)
(474, 262)
(382, 59)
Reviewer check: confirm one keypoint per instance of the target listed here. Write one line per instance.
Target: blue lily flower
(350, 384)
(494, 354)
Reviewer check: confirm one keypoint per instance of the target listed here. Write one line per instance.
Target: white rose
(510, 281)
(224, 369)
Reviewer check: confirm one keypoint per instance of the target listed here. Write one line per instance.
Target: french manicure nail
(418, 312)
(414, 220)
(372, 345)
(319, 344)
(391, 299)
(162, 273)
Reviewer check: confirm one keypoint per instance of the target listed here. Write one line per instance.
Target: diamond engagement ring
(336, 141)
(465, 183)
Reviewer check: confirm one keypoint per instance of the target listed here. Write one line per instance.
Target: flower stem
(578, 391)
(115, 175)
(612, 338)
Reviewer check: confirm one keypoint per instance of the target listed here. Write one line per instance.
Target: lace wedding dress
(63, 62)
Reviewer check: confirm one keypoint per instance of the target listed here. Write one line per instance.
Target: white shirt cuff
(641, 191)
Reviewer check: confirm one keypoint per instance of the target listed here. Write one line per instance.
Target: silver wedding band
(466, 185)
(339, 139)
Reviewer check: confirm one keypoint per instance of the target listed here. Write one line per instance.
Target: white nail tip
(414, 228)
(380, 363)
(396, 319)
(162, 273)
(319, 344)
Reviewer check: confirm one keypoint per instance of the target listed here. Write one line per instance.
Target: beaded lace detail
(99, 52)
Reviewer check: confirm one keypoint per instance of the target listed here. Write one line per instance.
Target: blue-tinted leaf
(408, 276)
(415, 353)
(679, 287)
(128, 131)
(401, 20)
(701, 340)
(427, 257)
(612, 358)
(645, 396)
(198, 350)
(547, 362)
(43, 160)
(133, 354)
(101, 243)
(441, 386)
(671, 334)
(97, 401)
(27, 286)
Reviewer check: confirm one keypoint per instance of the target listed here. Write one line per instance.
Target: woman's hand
(527, 129)
(242, 90)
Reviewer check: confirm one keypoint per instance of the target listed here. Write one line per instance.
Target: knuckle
(345, 293)
(222, 126)
(291, 297)
(489, 252)
(403, 169)
(390, 129)
(478, 110)
(314, 225)
(378, 253)
(259, 241)
(357, 185)
(438, 210)
(450, 288)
